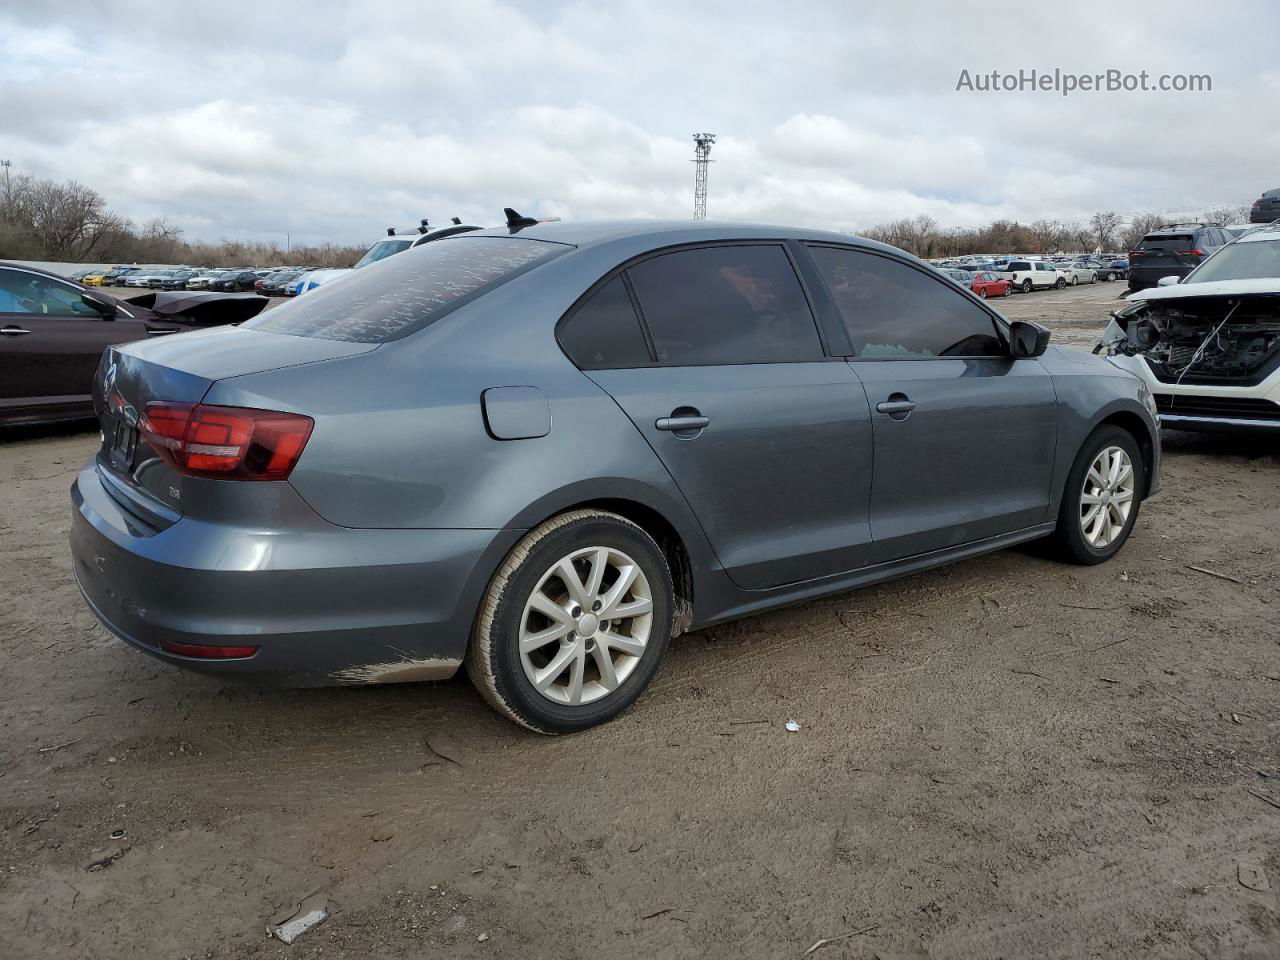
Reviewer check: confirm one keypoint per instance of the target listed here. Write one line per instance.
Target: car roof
(1259, 234)
(586, 233)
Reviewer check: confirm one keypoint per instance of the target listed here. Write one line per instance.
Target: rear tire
(1082, 535)
(592, 665)
(1026, 286)
(982, 292)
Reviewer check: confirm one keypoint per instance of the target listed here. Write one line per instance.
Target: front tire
(1102, 497)
(1062, 282)
(574, 624)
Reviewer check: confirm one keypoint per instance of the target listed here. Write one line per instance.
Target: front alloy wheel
(574, 623)
(1102, 497)
(1107, 497)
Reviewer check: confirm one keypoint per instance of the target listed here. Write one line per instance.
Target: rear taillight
(1195, 253)
(229, 443)
(1136, 253)
(205, 651)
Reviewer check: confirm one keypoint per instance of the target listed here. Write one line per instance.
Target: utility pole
(701, 157)
(6, 164)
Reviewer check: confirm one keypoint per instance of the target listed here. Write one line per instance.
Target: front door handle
(682, 424)
(13, 330)
(898, 406)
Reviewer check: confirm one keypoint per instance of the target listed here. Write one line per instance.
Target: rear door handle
(681, 424)
(13, 330)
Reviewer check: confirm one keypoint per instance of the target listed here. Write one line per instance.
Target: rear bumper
(324, 606)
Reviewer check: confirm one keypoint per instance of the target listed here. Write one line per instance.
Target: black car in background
(1173, 251)
(53, 332)
(177, 280)
(273, 284)
(235, 281)
(1266, 208)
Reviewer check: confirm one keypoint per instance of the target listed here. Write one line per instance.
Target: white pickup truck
(1028, 275)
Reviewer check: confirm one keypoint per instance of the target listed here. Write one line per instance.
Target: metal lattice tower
(701, 157)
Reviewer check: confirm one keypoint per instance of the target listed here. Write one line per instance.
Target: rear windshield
(383, 249)
(1166, 241)
(404, 293)
(1240, 261)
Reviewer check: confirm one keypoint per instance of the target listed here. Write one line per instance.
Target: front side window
(731, 304)
(604, 331)
(405, 293)
(22, 292)
(894, 310)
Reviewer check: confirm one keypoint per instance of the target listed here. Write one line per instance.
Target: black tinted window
(1166, 241)
(894, 310)
(1018, 265)
(604, 330)
(733, 304)
(406, 292)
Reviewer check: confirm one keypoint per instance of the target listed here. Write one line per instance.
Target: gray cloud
(330, 121)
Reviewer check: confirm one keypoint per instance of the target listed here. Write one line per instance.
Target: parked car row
(236, 280)
(1024, 274)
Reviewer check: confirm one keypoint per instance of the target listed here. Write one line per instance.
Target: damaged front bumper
(1209, 363)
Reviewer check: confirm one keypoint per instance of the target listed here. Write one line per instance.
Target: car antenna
(516, 221)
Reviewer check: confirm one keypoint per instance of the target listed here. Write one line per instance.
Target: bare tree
(1138, 228)
(1103, 226)
(1227, 214)
(1047, 235)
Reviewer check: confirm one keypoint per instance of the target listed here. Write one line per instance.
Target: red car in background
(986, 284)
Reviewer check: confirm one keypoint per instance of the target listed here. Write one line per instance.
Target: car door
(964, 434)
(51, 340)
(767, 436)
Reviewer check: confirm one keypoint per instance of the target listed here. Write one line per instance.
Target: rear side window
(1018, 265)
(893, 310)
(604, 331)
(400, 294)
(731, 304)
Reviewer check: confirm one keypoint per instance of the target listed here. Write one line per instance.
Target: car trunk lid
(179, 370)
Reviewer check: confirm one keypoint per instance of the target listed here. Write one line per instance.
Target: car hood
(1255, 286)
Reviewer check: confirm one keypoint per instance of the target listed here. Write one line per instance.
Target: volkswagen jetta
(545, 449)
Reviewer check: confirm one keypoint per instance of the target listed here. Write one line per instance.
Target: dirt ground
(1004, 758)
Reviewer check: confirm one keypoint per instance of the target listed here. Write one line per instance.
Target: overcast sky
(331, 121)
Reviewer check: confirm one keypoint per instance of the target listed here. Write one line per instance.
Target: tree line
(70, 222)
(1103, 232)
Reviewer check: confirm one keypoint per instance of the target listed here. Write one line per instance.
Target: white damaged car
(1208, 348)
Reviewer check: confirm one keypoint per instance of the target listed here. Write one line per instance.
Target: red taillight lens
(205, 651)
(230, 443)
(1195, 253)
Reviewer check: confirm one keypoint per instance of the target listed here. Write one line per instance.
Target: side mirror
(1027, 339)
(1168, 281)
(104, 306)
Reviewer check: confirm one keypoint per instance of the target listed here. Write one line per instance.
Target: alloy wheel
(586, 625)
(1107, 498)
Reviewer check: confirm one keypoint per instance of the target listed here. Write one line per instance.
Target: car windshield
(1240, 261)
(404, 294)
(383, 249)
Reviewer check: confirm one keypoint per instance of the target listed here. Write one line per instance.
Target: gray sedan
(547, 449)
